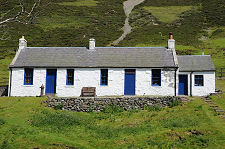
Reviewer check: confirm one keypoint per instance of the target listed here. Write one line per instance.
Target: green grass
(197, 26)
(25, 122)
(71, 23)
(89, 3)
(168, 14)
(217, 43)
(64, 23)
(56, 21)
(220, 98)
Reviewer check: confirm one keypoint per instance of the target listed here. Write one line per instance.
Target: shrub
(175, 102)
(58, 107)
(5, 145)
(2, 122)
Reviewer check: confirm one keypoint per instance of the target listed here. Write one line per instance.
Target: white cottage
(64, 71)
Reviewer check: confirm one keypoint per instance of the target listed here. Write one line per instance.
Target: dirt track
(127, 6)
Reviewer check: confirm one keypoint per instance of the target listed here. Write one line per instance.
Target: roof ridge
(97, 47)
(193, 55)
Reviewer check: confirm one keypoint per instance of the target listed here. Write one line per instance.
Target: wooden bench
(88, 92)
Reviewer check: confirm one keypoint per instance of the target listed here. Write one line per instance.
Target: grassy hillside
(27, 123)
(62, 23)
(198, 26)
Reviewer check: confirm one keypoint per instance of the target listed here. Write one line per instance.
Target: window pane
(28, 76)
(156, 77)
(199, 81)
(104, 77)
(70, 77)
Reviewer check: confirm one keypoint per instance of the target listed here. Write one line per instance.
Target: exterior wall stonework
(3, 90)
(90, 77)
(86, 104)
(17, 82)
(144, 83)
(209, 83)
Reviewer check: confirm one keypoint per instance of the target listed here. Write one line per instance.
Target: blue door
(50, 81)
(183, 85)
(129, 86)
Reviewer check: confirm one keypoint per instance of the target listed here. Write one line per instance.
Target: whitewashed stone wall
(144, 83)
(17, 82)
(90, 77)
(209, 83)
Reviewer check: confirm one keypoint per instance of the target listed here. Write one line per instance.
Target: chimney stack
(22, 43)
(92, 44)
(171, 41)
(171, 46)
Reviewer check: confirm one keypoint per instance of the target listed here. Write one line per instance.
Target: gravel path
(127, 6)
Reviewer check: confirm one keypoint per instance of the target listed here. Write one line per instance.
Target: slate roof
(195, 63)
(123, 57)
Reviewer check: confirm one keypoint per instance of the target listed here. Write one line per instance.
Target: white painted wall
(144, 80)
(90, 77)
(209, 83)
(17, 82)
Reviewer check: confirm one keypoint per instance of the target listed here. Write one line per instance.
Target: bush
(2, 122)
(174, 103)
(58, 107)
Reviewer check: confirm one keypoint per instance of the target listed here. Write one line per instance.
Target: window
(70, 77)
(104, 77)
(199, 81)
(28, 76)
(156, 77)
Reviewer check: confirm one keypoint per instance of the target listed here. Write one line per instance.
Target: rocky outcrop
(4, 90)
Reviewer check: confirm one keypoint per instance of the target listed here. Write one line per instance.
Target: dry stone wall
(87, 104)
(4, 90)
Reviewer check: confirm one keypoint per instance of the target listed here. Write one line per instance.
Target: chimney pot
(170, 35)
(91, 44)
(22, 43)
(171, 41)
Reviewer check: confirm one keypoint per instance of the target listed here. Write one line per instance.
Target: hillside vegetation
(198, 26)
(25, 122)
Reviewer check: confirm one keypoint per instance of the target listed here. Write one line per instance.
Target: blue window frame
(156, 77)
(199, 80)
(104, 77)
(70, 77)
(28, 76)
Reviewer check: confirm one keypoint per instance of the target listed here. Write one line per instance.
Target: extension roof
(121, 57)
(195, 63)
